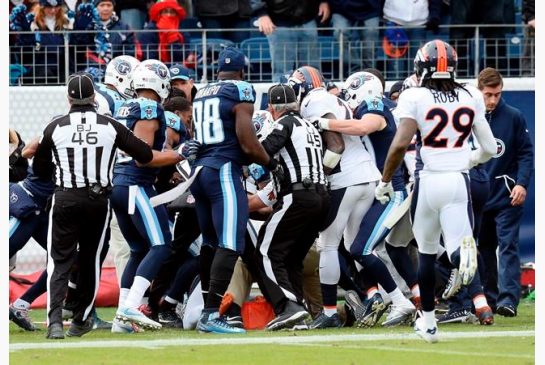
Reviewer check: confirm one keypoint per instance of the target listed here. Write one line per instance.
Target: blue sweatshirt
(514, 162)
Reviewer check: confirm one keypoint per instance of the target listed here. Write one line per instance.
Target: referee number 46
(83, 135)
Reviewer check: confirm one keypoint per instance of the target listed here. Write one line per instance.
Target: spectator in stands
(41, 53)
(528, 56)
(225, 14)
(110, 37)
(356, 13)
(400, 43)
(164, 42)
(291, 30)
(133, 12)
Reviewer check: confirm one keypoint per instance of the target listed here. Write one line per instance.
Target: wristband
(324, 123)
(331, 159)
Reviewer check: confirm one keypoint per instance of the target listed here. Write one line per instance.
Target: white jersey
(356, 166)
(445, 122)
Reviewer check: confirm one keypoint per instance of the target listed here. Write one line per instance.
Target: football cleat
(119, 326)
(506, 310)
(135, 316)
(430, 335)
(453, 285)
(293, 313)
(324, 321)
(455, 316)
(20, 317)
(214, 323)
(170, 319)
(468, 260)
(400, 314)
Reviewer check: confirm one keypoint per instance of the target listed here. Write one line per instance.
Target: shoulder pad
(173, 121)
(243, 91)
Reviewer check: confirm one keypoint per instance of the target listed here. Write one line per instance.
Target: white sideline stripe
(431, 351)
(283, 340)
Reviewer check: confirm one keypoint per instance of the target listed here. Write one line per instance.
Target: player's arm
(487, 142)
(368, 123)
(145, 130)
(246, 134)
(405, 133)
(173, 139)
(43, 158)
(30, 148)
(334, 147)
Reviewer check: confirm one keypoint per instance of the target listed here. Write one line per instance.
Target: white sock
(371, 291)
(397, 297)
(138, 289)
(330, 311)
(429, 318)
(480, 301)
(72, 285)
(21, 304)
(415, 290)
(170, 300)
(330, 270)
(123, 294)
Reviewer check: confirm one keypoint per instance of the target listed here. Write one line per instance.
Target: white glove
(384, 192)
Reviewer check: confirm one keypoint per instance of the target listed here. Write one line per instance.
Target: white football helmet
(119, 74)
(153, 75)
(263, 124)
(359, 86)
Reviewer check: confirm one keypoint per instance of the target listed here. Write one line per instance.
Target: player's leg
(488, 243)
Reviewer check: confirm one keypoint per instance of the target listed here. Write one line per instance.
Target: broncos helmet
(360, 86)
(436, 60)
(153, 75)
(119, 74)
(305, 79)
(263, 124)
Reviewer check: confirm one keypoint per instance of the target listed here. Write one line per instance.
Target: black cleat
(324, 321)
(507, 310)
(78, 329)
(170, 319)
(55, 332)
(293, 313)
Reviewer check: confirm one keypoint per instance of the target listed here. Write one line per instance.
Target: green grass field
(509, 341)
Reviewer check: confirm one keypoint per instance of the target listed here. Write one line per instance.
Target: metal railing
(513, 54)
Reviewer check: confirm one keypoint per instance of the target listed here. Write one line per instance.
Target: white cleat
(400, 314)
(430, 335)
(453, 285)
(468, 260)
(133, 315)
(119, 326)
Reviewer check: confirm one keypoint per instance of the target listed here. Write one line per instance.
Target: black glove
(433, 25)
(276, 169)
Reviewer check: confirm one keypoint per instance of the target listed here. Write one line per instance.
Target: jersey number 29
(434, 138)
(208, 124)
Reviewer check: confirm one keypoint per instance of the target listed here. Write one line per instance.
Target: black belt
(308, 187)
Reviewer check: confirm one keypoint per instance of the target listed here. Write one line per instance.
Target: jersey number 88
(208, 124)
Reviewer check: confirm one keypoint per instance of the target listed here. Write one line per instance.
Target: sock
(137, 291)
(455, 258)
(415, 289)
(220, 276)
(330, 310)
(402, 263)
(429, 318)
(37, 289)
(397, 297)
(235, 310)
(205, 263)
(329, 295)
(480, 301)
(170, 300)
(21, 304)
(330, 272)
(426, 281)
(371, 291)
(167, 304)
(123, 294)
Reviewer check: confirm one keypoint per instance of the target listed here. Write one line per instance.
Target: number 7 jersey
(445, 121)
(215, 122)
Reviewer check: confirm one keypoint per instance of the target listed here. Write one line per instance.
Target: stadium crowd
(380, 193)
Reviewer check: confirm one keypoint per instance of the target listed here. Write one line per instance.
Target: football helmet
(152, 75)
(359, 86)
(119, 74)
(305, 79)
(436, 60)
(263, 124)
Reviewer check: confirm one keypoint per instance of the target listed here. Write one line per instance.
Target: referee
(303, 202)
(80, 147)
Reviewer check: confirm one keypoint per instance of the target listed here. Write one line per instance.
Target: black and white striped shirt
(83, 146)
(299, 146)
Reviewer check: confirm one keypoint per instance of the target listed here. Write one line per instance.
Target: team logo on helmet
(159, 70)
(123, 67)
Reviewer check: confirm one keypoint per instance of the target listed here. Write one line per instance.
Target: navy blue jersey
(107, 100)
(215, 122)
(382, 139)
(141, 109)
(175, 123)
(41, 189)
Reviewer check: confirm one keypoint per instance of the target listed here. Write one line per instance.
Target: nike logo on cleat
(432, 331)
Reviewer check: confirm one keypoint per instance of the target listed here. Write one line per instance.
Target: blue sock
(37, 289)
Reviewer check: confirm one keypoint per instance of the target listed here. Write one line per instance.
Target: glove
(321, 124)
(256, 171)
(18, 19)
(433, 25)
(85, 15)
(384, 192)
(276, 169)
(190, 150)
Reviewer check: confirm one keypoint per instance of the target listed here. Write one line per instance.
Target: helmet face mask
(436, 60)
(360, 86)
(152, 75)
(304, 79)
(119, 74)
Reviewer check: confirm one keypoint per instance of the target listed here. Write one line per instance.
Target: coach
(82, 145)
(509, 172)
